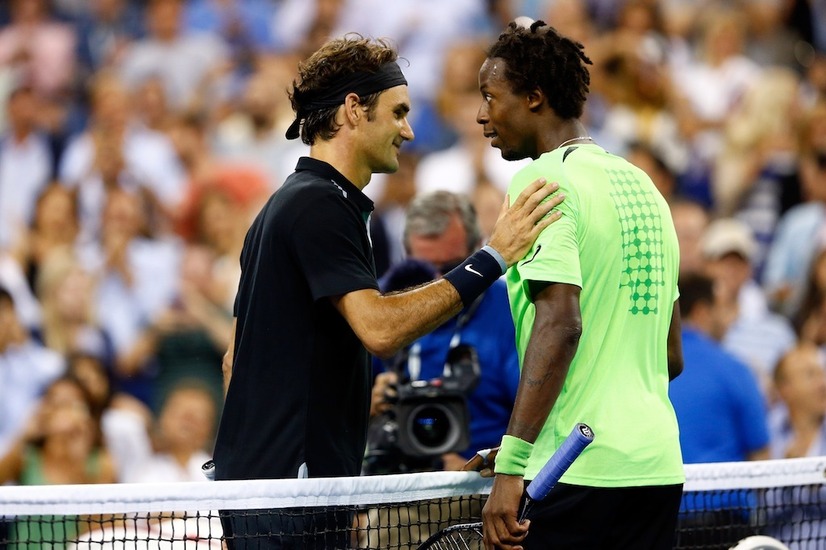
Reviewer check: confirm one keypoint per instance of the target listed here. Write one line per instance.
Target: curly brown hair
(540, 57)
(336, 59)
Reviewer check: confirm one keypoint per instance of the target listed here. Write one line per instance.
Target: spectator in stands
(424, 31)
(652, 163)
(755, 175)
(634, 80)
(13, 279)
(138, 277)
(750, 331)
(254, 132)
(184, 432)
(54, 230)
(715, 388)
(62, 445)
(707, 87)
(104, 31)
(721, 414)
(189, 135)
(388, 219)
(222, 215)
(441, 229)
(151, 107)
(770, 41)
(798, 429)
(470, 162)
(242, 182)
(244, 25)
(26, 368)
(187, 338)
(25, 166)
(759, 139)
(799, 232)
(808, 319)
(222, 198)
(690, 221)
(187, 63)
(124, 421)
(299, 27)
(67, 295)
(38, 48)
(571, 15)
(116, 151)
(814, 83)
(798, 424)
(62, 441)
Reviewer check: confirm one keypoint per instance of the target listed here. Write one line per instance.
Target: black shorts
(593, 518)
(286, 529)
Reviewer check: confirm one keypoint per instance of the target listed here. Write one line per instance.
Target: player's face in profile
(387, 129)
(501, 110)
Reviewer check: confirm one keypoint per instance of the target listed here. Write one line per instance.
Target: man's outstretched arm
(386, 323)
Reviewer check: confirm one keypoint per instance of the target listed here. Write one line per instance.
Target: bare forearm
(226, 370)
(553, 343)
(386, 323)
(675, 344)
(226, 364)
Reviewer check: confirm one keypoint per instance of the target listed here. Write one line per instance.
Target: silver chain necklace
(567, 141)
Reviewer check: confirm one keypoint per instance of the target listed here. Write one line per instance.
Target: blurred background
(138, 138)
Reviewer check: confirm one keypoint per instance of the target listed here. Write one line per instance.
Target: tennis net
(723, 503)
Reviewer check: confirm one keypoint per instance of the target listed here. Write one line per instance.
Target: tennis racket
(469, 535)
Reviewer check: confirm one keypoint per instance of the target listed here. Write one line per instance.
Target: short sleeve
(554, 257)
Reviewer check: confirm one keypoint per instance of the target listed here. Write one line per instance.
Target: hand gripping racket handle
(469, 535)
(580, 437)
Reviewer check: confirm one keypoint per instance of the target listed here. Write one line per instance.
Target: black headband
(361, 83)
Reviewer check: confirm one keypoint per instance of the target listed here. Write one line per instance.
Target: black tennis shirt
(300, 388)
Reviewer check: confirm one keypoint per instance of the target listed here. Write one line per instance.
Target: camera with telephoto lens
(428, 419)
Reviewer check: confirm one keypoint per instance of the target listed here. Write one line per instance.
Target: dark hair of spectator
(95, 412)
(333, 61)
(540, 57)
(694, 289)
(98, 406)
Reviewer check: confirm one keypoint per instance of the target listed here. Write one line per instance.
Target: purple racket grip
(581, 436)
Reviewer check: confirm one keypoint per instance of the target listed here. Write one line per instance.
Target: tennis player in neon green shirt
(593, 303)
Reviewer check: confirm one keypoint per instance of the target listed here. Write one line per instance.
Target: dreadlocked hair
(330, 63)
(540, 57)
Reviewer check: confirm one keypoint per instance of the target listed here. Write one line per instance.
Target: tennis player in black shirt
(308, 309)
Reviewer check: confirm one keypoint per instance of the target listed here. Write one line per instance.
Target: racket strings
(463, 537)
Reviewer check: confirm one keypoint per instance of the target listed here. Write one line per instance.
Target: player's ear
(535, 99)
(352, 111)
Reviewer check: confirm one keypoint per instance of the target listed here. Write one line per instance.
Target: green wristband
(513, 455)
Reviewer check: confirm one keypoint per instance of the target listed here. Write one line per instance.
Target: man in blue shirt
(722, 417)
(440, 229)
(720, 408)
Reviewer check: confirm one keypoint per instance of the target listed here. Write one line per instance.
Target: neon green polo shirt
(616, 241)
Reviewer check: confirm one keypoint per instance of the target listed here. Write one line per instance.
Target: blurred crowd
(138, 138)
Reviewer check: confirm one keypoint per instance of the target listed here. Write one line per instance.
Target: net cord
(354, 491)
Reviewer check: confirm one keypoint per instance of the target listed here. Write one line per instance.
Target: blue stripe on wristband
(473, 276)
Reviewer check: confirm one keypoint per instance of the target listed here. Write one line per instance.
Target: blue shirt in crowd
(720, 408)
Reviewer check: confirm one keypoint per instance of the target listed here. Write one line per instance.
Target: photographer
(441, 228)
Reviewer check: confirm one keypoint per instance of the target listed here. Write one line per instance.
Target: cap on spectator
(728, 236)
